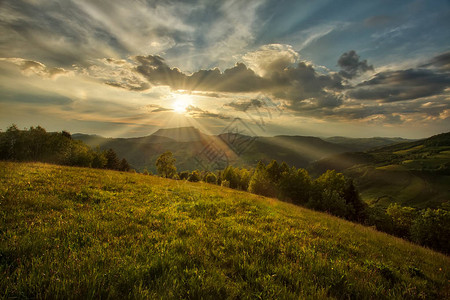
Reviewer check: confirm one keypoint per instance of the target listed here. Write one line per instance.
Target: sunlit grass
(85, 233)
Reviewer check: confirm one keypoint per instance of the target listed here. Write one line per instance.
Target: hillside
(182, 134)
(412, 173)
(187, 142)
(364, 144)
(71, 232)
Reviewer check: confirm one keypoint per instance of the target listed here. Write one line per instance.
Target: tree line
(36, 144)
(331, 192)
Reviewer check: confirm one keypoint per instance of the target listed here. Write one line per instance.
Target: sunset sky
(322, 68)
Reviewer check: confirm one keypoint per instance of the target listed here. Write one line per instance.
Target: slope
(84, 233)
(187, 142)
(413, 173)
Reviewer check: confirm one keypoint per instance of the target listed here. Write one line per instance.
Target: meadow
(70, 232)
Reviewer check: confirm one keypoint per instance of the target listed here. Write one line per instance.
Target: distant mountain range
(188, 144)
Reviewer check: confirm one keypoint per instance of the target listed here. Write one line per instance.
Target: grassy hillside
(415, 173)
(71, 232)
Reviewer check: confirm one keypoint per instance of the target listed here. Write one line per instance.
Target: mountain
(188, 144)
(80, 233)
(182, 134)
(411, 173)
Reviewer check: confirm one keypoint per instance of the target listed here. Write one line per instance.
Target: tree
(432, 229)
(328, 194)
(165, 164)
(231, 175)
(112, 161)
(124, 166)
(273, 170)
(295, 185)
(99, 161)
(357, 209)
(402, 217)
(260, 182)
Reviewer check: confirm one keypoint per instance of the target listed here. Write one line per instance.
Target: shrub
(184, 175)
(432, 229)
(194, 176)
(211, 178)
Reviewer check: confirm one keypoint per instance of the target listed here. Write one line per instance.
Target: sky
(321, 68)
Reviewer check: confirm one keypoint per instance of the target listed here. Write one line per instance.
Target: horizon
(321, 137)
(122, 70)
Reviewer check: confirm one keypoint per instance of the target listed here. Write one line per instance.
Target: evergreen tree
(112, 161)
(124, 166)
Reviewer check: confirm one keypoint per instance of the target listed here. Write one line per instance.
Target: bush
(211, 178)
(432, 229)
(194, 176)
(184, 175)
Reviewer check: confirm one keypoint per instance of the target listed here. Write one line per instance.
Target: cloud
(351, 65)
(392, 86)
(117, 73)
(236, 79)
(197, 112)
(31, 67)
(441, 62)
(292, 83)
(271, 58)
(245, 105)
(155, 108)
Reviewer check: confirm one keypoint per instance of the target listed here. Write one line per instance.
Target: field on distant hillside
(413, 174)
(69, 232)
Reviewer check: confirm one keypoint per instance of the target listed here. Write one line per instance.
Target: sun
(181, 103)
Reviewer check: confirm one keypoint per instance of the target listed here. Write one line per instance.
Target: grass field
(85, 233)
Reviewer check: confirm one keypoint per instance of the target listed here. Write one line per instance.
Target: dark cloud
(303, 83)
(197, 112)
(236, 79)
(245, 105)
(441, 61)
(391, 86)
(351, 65)
(298, 83)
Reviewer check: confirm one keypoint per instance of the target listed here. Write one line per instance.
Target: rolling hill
(413, 173)
(70, 232)
(187, 142)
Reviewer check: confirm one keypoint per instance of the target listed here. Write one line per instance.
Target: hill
(364, 144)
(70, 232)
(187, 142)
(412, 173)
(182, 134)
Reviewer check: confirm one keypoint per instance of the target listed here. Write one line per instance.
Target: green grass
(84, 233)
